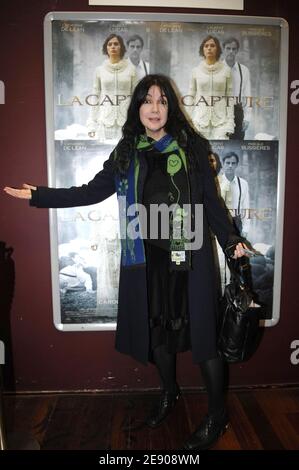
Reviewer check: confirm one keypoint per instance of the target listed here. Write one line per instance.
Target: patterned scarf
(132, 247)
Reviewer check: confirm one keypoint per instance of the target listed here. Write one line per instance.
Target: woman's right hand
(24, 193)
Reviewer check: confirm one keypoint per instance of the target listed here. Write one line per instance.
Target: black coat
(132, 334)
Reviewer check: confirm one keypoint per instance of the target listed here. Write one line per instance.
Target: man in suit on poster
(135, 45)
(235, 192)
(241, 87)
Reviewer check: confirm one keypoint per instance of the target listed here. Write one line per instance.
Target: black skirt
(168, 302)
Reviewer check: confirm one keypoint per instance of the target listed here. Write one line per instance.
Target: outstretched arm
(101, 187)
(22, 193)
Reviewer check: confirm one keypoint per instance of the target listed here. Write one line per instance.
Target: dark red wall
(39, 356)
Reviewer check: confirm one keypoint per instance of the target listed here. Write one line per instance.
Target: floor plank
(265, 419)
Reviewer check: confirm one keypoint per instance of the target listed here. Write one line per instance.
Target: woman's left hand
(239, 251)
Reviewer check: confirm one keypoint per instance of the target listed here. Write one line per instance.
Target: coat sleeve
(99, 188)
(215, 209)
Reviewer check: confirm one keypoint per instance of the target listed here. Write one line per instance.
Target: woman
(166, 295)
(212, 93)
(114, 83)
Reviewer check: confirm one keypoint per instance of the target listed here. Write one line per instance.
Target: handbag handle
(239, 267)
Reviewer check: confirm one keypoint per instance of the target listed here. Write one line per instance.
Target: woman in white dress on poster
(114, 82)
(212, 95)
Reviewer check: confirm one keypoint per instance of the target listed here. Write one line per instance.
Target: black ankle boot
(208, 432)
(167, 401)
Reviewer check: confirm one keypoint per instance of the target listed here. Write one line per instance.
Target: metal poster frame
(85, 241)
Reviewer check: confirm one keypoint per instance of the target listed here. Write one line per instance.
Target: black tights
(212, 372)
(166, 365)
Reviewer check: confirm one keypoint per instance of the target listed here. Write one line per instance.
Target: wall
(38, 356)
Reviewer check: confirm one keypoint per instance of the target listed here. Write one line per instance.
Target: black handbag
(238, 327)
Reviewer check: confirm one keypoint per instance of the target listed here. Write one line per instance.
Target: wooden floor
(259, 419)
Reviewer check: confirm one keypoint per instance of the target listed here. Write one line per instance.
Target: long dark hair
(177, 125)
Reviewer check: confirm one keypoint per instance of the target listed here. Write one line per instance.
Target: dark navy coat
(132, 334)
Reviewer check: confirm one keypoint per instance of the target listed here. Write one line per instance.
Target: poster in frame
(85, 111)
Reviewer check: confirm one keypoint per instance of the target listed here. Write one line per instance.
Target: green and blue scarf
(133, 252)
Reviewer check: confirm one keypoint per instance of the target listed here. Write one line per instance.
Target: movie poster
(236, 104)
(171, 48)
(88, 240)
